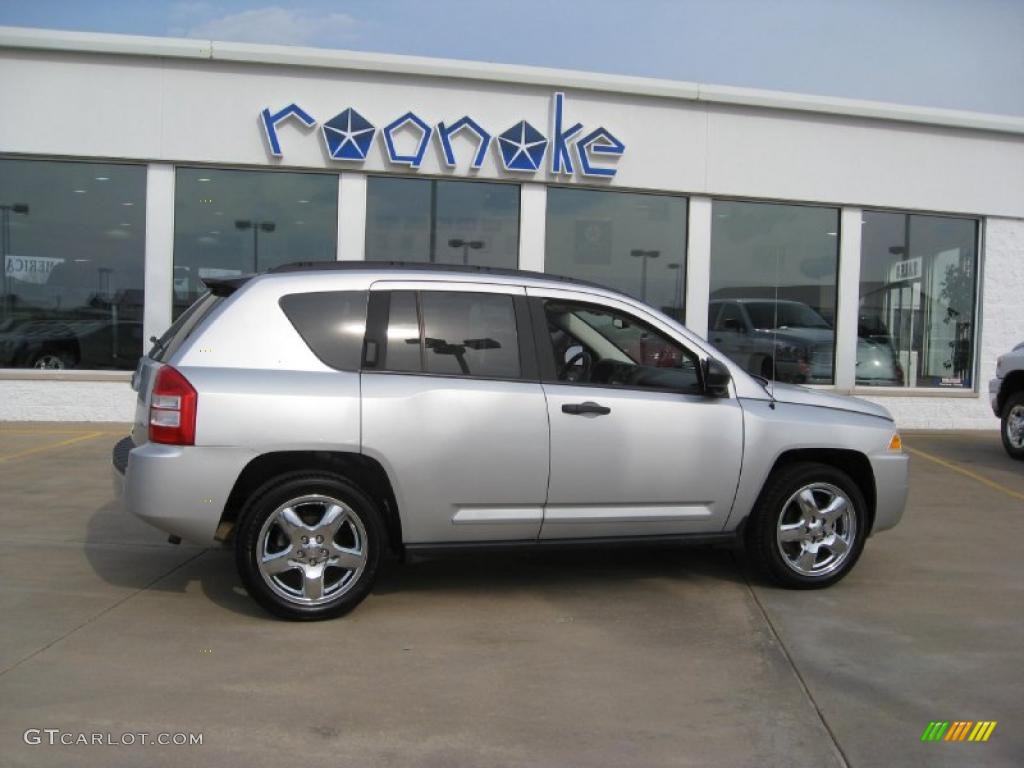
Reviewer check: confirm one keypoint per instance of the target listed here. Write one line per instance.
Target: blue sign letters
(349, 136)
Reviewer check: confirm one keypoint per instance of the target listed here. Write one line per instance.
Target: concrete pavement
(638, 658)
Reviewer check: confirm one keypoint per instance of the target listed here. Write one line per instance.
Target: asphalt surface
(638, 658)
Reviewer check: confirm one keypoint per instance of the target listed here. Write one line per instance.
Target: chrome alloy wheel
(312, 550)
(1015, 427)
(817, 529)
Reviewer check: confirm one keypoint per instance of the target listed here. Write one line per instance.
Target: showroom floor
(600, 658)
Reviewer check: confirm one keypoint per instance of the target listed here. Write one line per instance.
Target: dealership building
(866, 248)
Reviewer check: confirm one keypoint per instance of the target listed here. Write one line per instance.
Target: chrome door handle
(578, 409)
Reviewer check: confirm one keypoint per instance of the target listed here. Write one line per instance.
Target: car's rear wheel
(809, 526)
(53, 360)
(1013, 425)
(308, 546)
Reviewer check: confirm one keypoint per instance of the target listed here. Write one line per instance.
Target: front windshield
(768, 315)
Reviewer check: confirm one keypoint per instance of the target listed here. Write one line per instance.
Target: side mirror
(733, 324)
(716, 378)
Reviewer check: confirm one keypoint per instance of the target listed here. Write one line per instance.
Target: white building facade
(865, 248)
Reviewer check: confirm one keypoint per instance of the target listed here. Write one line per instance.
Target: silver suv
(322, 414)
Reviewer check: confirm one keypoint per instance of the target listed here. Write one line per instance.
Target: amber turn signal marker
(896, 444)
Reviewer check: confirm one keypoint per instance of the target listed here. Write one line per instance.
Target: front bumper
(993, 395)
(181, 490)
(891, 472)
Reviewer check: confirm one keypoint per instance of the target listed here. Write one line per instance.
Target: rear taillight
(172, 409)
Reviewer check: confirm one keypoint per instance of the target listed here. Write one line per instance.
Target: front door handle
(578, 409)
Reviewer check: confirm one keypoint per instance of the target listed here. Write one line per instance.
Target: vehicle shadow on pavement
(136, 557)
(128, 554)
(556, 570)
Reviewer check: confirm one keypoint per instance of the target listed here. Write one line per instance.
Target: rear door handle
(578, 409)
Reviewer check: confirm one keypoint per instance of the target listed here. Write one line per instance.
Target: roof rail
(342, 266)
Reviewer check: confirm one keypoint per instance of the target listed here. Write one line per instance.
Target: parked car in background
(1006, 392)
(73, 342)
(789, 341)
(319, 414)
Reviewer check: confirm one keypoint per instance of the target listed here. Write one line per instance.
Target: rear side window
(181, 329)
(332, 324)
(469, 334)
(453, 333)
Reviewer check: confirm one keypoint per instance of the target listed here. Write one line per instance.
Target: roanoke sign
(569, 148)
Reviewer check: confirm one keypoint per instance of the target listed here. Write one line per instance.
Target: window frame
(88, 374)
(546, 352)
(861, 390)
(432, 224)
(687, 221)
(378, 317)
(214, 167)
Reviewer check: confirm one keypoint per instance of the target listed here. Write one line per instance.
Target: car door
(637, 448)
(453, 409)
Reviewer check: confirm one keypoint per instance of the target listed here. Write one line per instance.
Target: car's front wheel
(1013, 425)
(809, 526)
(308, 546)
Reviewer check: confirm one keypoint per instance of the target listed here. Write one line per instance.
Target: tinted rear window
(331, 323)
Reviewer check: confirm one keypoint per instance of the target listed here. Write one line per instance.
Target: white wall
(39, 400)
(206, 111)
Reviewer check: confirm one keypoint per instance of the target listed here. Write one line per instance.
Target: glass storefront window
(634, 243)
(773, 288)
(443, 222)
(72, 237)
(917, 289)
(231, 222)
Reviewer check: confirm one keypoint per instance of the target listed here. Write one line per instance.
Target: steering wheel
(571, 372)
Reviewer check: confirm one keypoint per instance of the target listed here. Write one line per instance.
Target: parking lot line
(52, 446)
(968, 473)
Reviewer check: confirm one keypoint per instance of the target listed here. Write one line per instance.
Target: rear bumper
(179, 489)
(891, 472)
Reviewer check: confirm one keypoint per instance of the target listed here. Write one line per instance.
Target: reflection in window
(917, 289)
(470, 334)
(464, 334)
(442, 222)
(73, 244)
(332, 323)
(231, 222)
(773, 288)
(634, 243)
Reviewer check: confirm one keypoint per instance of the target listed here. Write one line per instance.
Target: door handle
(578, 409)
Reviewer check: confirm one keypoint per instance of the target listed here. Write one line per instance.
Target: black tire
(366, 535)
(776, 501)
(52, 359)
(1014, 400)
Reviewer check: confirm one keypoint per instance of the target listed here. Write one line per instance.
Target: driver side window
(603, 347)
